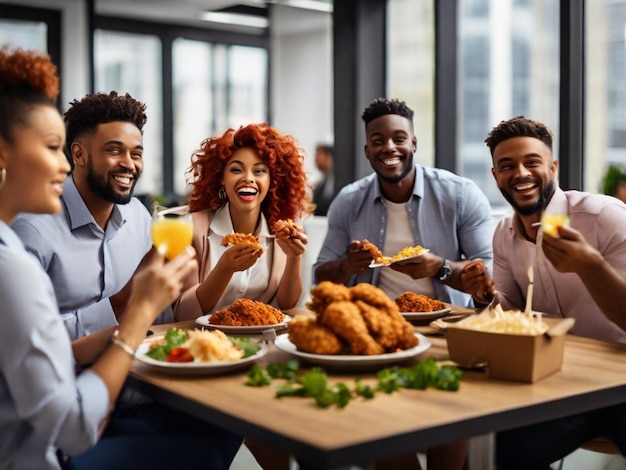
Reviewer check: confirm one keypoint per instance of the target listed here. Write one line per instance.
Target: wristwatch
(445, 272)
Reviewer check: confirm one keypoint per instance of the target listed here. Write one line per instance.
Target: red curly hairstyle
(287, 197)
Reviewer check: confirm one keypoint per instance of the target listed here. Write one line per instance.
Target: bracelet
(117, 341)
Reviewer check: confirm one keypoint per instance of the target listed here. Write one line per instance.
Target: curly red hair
(287, 197)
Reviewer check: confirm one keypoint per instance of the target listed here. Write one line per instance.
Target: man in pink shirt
(578, 273)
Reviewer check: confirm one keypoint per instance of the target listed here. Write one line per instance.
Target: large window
(508, 66)
(24, 34)
(411, 67)
(131, 63)
(605, 88)
(215, 87)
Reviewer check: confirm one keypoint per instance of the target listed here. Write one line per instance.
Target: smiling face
(35, 165)
(109, 162)
(390, 147)
(246, 180)
(525, 173)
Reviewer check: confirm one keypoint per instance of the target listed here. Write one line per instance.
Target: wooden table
(593, 376)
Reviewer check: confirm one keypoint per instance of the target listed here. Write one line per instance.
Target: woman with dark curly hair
(249, 181)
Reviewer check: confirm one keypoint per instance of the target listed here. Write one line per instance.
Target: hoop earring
(3, 177)
(222, 193)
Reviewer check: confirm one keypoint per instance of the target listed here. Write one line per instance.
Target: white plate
(426, 315)
(344, 360)
(380, 265)
(194, 368)
(204, 321)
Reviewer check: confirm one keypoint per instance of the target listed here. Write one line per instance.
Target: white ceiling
(190, 11)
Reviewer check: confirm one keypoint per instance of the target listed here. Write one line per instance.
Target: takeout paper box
(521, 358)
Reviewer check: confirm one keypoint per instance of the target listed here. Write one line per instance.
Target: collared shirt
(252, 282)
(42, 403)
(85, 263)
(602, 221)
(449, 215)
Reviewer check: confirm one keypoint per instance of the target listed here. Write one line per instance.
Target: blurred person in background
(325, 188)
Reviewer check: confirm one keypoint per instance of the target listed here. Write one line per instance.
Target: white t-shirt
(250, 283)
(399, 235)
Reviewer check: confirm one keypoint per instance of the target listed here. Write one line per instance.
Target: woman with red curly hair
(248, 181)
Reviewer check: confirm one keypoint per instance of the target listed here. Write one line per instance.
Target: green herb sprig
(314, 382)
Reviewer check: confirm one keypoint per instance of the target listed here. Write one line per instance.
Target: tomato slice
(179, 355)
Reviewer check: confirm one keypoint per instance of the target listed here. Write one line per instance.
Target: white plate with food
(350, 360)
(205, 321)
(426, 315)
(380, 265)
(194, 368)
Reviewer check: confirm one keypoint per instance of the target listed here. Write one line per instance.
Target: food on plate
(379, 258)
(550, 223)
(246, 312)
(242, 239)
(288, 226)
(412, 302)
(309, 336)
(409, 251)
(497, 320)
(180, 345)
(362, 318)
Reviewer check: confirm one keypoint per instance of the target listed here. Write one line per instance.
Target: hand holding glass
(172, 230)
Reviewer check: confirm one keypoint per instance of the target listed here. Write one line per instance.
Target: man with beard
(405, 204)
(93, 246)
(577, 273)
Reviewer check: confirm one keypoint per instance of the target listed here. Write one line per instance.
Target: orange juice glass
(171, 232)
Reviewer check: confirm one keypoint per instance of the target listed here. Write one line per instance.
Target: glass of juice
(172, 230)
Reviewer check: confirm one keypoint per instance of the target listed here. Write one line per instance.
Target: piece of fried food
(345, 320)
(325, 293)
(412, 302)
(288, 226)
(246, 312)
(241, 239)
(310, 336)
(375, 252)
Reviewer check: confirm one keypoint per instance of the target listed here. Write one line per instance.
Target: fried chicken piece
(288, 226)
(325, 293)
(310, 336)
(375, 252)
(388, 327)
(345, 320)
(371, 295)
(241, 239)
(246, 312)
(412, 302)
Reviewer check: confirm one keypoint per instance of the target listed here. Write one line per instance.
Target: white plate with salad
(162, 354)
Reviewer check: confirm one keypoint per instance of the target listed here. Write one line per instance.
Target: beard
(538, 206)
(406, 170)
(101, 187)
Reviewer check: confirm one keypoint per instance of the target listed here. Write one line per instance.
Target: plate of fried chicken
(351, 326)
(284, 344)
(420, 307)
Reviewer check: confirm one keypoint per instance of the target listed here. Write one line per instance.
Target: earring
(3, 177)
(222, 193)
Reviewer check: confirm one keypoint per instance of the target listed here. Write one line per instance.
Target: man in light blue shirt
(403, 204)
(92, 248)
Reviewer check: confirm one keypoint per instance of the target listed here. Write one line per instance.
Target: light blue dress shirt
(42, 403)
(85, 263)
(449, 215)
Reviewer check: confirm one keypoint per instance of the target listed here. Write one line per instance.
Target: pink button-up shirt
(602, 221)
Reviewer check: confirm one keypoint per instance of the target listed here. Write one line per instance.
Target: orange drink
(171, 234)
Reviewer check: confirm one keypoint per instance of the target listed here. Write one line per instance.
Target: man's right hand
(477, 282)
